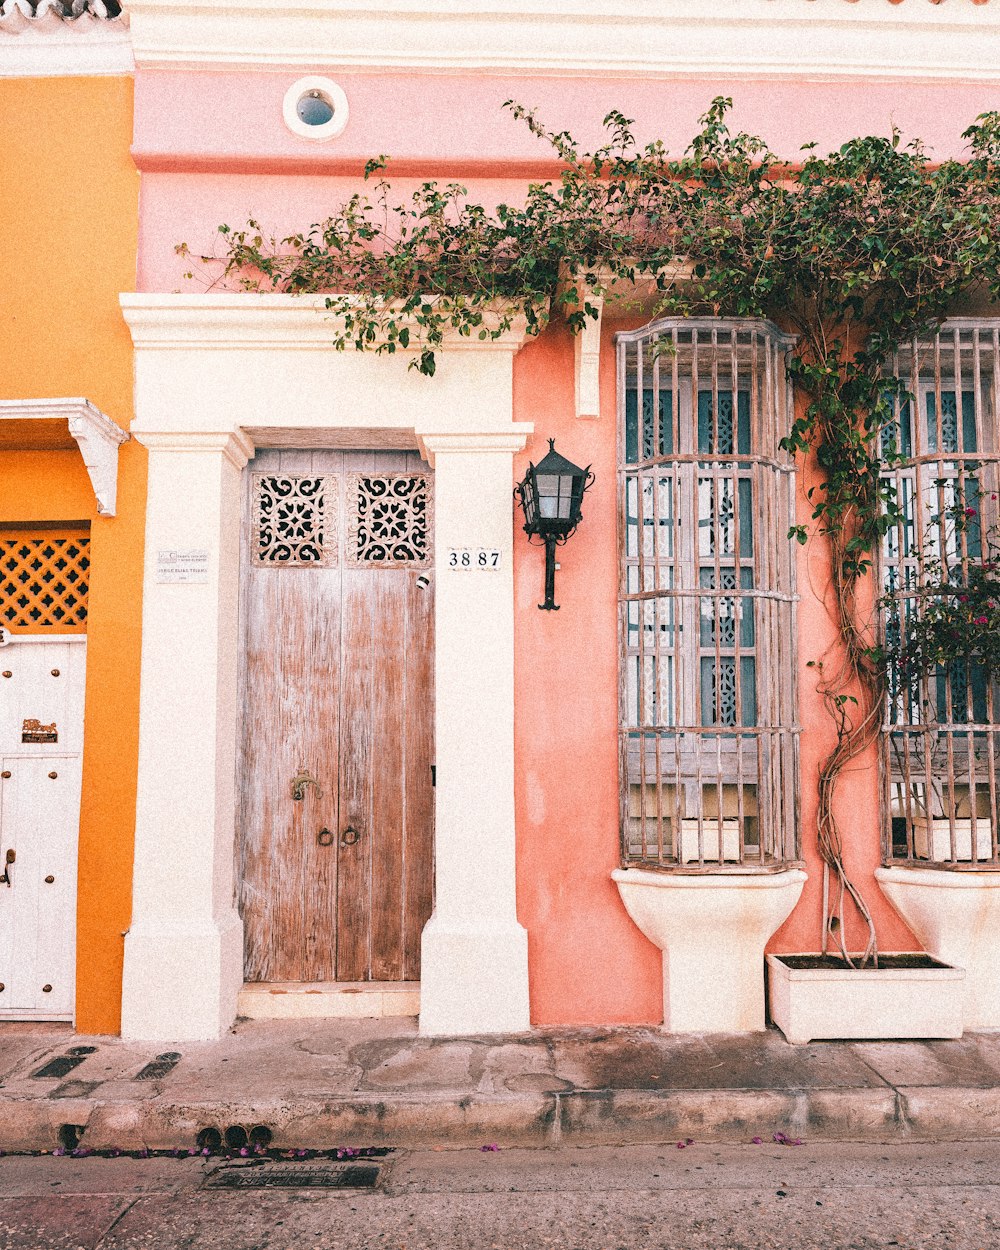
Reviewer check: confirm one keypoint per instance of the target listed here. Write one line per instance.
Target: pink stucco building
(406, 789)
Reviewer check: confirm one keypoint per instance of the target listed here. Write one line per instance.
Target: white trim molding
(614, 38)
(302, 322)
(96, 435)
(587, 357)
(214, 373)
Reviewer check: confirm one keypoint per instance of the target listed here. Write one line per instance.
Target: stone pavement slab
(327, 1083)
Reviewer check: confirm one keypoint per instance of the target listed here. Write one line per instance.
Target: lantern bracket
(551, 498)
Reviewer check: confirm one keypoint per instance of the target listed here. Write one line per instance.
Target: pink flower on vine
(981, 620)
(970, 512)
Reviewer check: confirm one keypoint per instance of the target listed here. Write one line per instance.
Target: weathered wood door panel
(291, 724)
(337, 684)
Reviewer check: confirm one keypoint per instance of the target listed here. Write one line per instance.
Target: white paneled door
(41, 740)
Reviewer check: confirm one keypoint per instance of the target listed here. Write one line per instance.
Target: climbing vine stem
(853, 252)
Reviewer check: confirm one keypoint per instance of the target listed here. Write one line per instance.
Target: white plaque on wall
(182, 565)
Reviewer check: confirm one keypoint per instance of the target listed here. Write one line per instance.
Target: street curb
(575, 1117)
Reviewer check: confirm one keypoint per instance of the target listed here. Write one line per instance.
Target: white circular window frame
(334, 96)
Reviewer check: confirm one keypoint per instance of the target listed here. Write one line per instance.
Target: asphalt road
(740, 1197)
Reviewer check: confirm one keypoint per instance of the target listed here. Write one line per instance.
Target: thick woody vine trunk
(854, 694)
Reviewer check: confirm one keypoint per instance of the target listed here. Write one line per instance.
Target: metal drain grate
(64, 1064)
(295, 1176)
(158, 1068)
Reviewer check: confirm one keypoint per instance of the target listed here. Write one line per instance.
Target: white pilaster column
(474, 954)
(184, 949)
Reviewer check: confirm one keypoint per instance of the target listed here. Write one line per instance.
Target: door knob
(324, 837)
(9, 859)
(349, 836)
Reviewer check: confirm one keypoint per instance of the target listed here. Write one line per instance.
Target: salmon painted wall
(70, 197)
(225, 155)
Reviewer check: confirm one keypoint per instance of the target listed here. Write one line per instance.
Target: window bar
(991, 777)
(907, 576)
(624, 613)
(716, 602)
(657, 605)
(736, 468)
(991, 685)
(643, 711)
(739, 613)
(677, 605)
(965, 557)
(919, 442)
(946, 561)
(691, 606)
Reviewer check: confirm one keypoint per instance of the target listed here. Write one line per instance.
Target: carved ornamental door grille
(940, 743)
(336, 807)
(708, 734)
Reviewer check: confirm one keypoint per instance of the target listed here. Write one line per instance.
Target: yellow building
(71, 514)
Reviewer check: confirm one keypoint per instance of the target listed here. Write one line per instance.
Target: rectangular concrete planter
(932, 839)
(710, 840)
(895, 1000)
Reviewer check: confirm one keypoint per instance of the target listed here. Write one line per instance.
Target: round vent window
(315, 108)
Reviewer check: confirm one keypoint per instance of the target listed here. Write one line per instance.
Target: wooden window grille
(44, 581)
(295, 520)
(390, 521)
(708, 736)
(939, 743)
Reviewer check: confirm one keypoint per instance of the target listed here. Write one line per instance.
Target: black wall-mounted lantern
(551, 496)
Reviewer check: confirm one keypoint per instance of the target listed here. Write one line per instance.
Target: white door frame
(217, 376)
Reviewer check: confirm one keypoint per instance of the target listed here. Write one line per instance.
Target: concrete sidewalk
(327, 1083)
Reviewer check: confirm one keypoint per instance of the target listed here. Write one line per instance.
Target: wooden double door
(335, 779)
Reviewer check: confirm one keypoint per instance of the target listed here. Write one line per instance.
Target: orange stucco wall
(68, 196)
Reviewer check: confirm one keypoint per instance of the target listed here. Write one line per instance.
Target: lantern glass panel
(555, 495)
(529, 500)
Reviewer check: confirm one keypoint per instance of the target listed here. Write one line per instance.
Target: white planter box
(710, 840)
(808, 1004)
(932, 839)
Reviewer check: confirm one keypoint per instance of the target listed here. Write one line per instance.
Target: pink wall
(588, 963)
(212, 149)
(447, 122)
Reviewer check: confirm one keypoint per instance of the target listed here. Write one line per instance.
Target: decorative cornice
(510, 439)
(96, 435)
(235, 445)
(43, 41)
(224, 322)
(629, 38)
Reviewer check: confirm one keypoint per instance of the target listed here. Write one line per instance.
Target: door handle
(9, 859)
(302, 779)
(349, 836)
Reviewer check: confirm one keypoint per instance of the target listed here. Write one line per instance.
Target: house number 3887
(487, 558)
